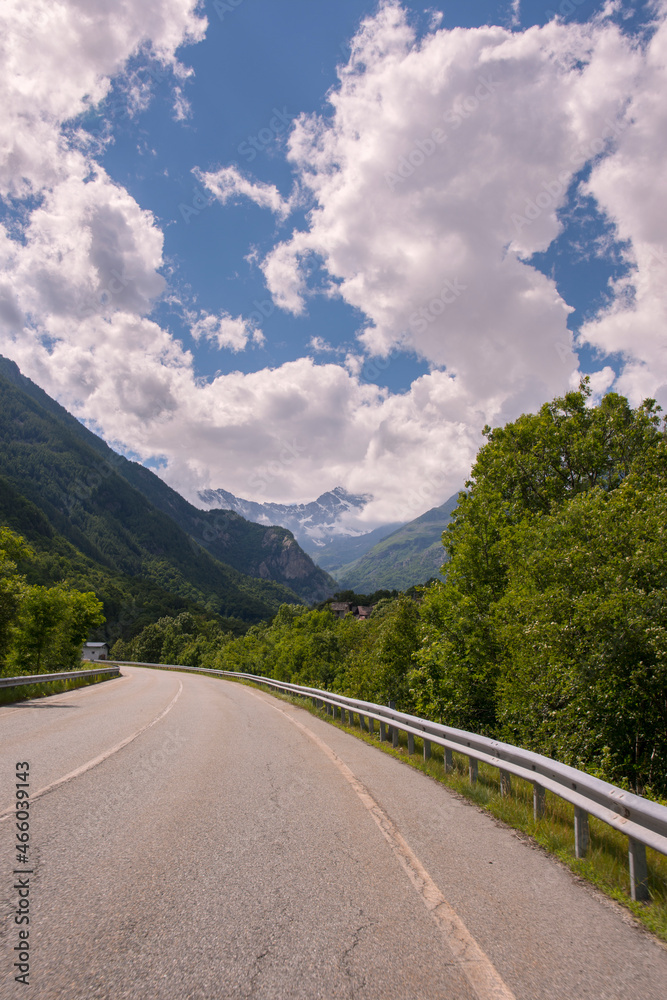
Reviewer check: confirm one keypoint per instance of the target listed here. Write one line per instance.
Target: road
(228, 845)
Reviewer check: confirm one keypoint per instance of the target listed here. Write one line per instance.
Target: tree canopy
(42, 629)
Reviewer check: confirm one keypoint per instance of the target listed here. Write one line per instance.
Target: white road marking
(97, 760)
(469, 958)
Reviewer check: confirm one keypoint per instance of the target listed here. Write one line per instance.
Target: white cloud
(321, 346)
(226, 331)
(439, 172)
(429, 238)
(228, 183)
(182, 106)
(87, 249)
(630, 186)
(93, 41)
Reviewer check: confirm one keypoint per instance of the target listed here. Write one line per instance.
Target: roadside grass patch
(26, 692)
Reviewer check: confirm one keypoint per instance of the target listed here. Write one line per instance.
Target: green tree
(12, 584)
(456, 666)
(391, 641)
(584, 634)
(53, 623)
(475, 663)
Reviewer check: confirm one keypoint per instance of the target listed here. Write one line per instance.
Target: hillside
(271, 554)
(72, 497)
(340, 550)
(408, 556)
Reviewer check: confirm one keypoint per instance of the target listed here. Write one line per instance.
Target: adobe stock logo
(222, 7)
(566, 8)
(421, 319)
(254, 144)
(424, 148)
(200, 201)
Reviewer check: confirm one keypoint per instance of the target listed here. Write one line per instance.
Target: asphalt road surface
(209, 841)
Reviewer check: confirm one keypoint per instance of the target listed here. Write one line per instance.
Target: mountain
(333, 514)
(340, 550)
(89, 510)
(411, 555)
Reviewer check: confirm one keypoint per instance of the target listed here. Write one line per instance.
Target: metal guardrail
(65, 675)
(643, 822)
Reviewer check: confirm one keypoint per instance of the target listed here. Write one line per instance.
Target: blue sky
(305, 245)
(259, 67)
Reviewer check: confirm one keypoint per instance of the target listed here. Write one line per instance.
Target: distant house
(95, 651)
(341, 608)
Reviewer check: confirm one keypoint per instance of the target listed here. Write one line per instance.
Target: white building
(95, 651)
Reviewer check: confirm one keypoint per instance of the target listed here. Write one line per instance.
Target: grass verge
(605, 867)
(26, 692)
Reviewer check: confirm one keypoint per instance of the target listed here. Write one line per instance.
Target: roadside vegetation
(42, 629)
(28, 692)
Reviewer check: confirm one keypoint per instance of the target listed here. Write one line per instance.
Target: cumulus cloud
(93, 41)
(630, 186)
(89, 248)
(226, 331)
(321, 346)
(439, 172)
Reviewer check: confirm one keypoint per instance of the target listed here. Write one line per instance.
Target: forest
(549, 629)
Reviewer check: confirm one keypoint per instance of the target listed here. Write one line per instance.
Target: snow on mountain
(333, 514)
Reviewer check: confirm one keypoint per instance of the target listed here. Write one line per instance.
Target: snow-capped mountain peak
(335, 512)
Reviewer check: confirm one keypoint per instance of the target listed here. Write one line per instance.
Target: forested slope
(409, 556)
(88, 523)
(270, 554)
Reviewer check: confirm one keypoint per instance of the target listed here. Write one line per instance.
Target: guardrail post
(638, 871)
(449, 760)
(392, 729)
(383, 732)
(505, 783)
(581, 834)
(371, 726)
(411, 743)
(539, 801)
(362, 723)
(472, 770)
(427, 749)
